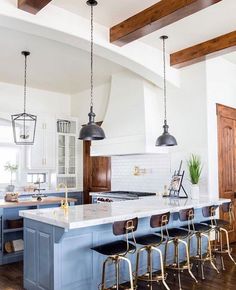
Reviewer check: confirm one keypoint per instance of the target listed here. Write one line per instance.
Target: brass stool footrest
(182, 266)
(205, 258)
(156, 277)
(224, 251)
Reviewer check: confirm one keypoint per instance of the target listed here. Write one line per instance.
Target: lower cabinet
(9, 234)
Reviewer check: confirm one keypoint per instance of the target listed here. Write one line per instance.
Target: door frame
(225, 112)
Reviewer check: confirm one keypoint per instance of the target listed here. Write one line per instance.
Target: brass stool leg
(209, 250)
(162, 267)
(165, 253)
(221, 250)
(130, 271)
(177, 262)
(201, 258)
(149, 261)
(188, 261)
(117, 273)
(137, 266)
(228, 246)
(104, 273)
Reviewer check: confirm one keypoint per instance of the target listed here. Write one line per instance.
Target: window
(9, 152)
(35, 177)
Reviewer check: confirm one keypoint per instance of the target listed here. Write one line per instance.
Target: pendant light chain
(91, 131)
(164, 71)
(91, 80)
(25, 84)
(166, 139)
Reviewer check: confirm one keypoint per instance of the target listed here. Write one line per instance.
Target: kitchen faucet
(64, 204)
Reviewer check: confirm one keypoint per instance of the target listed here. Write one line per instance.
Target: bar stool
(117, 251)
(177, 236)
(200, 231)
(221, 227)
(150, 244)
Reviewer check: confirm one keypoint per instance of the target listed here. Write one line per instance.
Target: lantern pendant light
(165, 139)
(91, 131)
(24, 124)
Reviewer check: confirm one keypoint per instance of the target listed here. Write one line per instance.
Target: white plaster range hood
(133, 118)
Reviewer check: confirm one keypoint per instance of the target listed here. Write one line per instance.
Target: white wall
(221, 88)
(187, 118)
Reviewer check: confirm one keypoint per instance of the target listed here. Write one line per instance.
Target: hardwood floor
(11, 278)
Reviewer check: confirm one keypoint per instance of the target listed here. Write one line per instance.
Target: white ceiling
(58, 67)
(52, 65)
(208, 23)
(107, 12)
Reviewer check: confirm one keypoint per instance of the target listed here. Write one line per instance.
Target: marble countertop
(103, 213)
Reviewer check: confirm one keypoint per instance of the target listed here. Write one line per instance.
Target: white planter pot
(195, 191)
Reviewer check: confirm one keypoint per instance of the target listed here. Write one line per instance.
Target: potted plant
(195, 170)
(12, 168)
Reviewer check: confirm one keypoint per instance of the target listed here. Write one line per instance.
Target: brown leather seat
(114, 248)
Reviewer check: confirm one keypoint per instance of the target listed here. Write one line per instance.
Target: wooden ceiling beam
(208, 49)
(155, 17)
(32, 6)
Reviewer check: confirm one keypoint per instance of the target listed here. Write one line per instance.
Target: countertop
(33, 202)
(48, 191)
(103, 213)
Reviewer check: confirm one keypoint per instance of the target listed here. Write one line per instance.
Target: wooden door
(97, 173)
(227, 156)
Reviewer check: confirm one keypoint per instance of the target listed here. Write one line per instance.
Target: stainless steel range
(113, 196)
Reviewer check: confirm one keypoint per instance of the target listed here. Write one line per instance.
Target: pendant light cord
(91, 67)
(164, 73)
(25, 84)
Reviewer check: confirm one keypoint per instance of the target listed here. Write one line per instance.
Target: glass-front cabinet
(66, 152)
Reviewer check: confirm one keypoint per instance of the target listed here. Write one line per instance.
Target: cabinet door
(49, 149)
(61, 160)
(41, 155)
(71, 155)
(36, 159)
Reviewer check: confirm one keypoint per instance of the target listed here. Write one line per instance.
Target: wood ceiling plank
(32, 6)
(155, 17)
(208, 49)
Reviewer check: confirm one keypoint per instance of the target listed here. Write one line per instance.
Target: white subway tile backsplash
(158, 172)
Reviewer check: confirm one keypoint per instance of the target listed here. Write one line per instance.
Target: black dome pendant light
(91, 131)
(165, 139)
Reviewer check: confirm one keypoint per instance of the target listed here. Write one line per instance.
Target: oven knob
(110, 200)
(107, 200)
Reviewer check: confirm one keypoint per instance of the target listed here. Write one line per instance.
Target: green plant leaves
(195, 168)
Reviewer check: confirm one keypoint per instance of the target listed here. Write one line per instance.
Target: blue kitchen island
(58, 243)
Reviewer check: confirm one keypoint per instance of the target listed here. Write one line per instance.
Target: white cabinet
(42, 155)
(67, 156)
